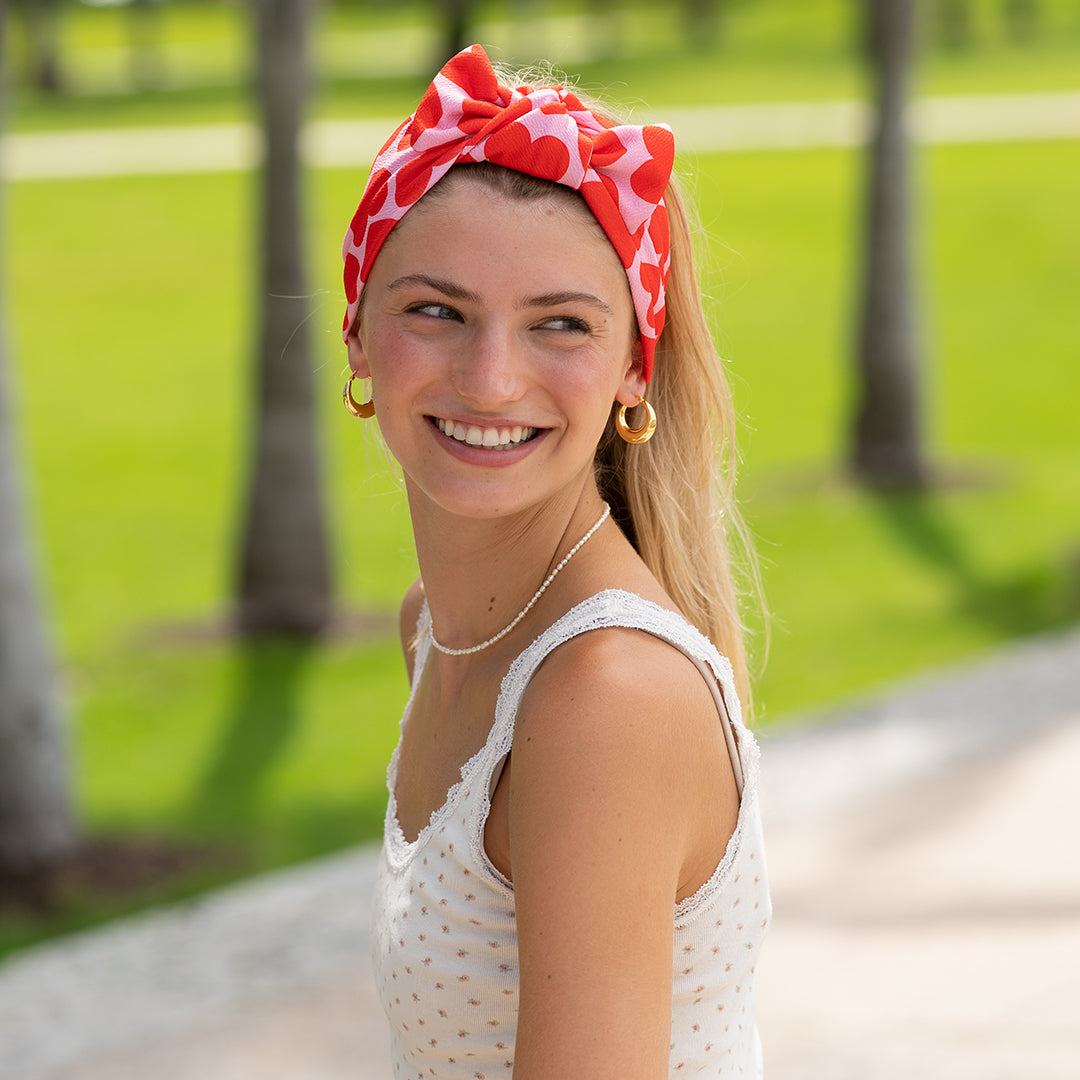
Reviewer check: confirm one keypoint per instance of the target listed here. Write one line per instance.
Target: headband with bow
(466, 115)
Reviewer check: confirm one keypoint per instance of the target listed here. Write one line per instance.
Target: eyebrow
(443, 285)
(558, 298)
(459, 292)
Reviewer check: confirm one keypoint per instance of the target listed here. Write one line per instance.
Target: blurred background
(201, 553)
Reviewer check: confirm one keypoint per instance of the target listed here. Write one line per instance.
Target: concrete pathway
(923, 854)
(933, 930)
(702, 129)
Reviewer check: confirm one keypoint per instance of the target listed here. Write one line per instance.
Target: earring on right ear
(361, 410)
(636, 435)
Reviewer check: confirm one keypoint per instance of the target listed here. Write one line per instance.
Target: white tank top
(444, 943)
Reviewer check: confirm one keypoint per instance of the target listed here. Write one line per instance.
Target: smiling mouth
(490, 438)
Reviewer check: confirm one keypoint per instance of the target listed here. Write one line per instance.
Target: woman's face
(497, 333)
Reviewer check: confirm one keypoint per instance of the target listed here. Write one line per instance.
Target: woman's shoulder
(620, 730)
(615, 676)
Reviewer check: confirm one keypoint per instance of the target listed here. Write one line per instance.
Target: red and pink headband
(467, 116)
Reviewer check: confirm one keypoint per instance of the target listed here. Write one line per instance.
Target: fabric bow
(466, 115)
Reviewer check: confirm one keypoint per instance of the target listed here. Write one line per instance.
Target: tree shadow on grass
(1038, 597)
(262, 718)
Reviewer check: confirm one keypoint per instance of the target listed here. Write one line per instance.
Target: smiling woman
(572, 879)
(491, 350)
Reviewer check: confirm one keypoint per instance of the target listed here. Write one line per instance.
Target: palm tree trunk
(284, 562)
(42, 21)
(886, 447)
(457, 19)
(37, 828)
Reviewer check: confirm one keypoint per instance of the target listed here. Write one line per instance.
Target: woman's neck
(479, 573)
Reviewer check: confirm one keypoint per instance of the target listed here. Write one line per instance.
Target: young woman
(572, 882)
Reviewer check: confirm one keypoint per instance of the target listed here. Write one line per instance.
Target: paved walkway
(923, 853)
(701, 129)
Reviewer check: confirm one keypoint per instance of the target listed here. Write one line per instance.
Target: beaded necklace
(525, 610)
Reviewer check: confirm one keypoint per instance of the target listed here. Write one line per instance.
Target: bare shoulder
(628, 703)
(407, 620)
(630, 670)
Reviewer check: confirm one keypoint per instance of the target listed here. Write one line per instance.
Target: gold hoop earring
(636, 435)
(362, 411)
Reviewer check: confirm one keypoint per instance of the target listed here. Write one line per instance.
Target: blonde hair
(675, 496)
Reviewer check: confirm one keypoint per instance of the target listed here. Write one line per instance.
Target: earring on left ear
(636, 435)
(361, 410)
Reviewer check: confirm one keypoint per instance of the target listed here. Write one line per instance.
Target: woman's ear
(633, 385)
(358, 354)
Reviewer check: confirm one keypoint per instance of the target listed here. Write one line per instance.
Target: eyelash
(435, 310)
(444, 310)
(571, 324)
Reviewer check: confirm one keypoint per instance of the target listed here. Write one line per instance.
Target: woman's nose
(489, 371)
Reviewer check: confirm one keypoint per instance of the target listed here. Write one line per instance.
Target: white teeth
(489, 438)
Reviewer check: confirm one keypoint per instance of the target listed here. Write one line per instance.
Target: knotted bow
(466, 115)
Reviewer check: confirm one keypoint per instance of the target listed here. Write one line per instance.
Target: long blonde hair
(675, 496)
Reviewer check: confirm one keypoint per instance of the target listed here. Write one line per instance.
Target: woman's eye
(435, 311)
(565, 323)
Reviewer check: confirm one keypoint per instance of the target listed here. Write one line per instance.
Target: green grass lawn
(130, 303)
(994, 552)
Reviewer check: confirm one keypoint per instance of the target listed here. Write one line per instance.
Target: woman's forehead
(472, 196)
(472, 232)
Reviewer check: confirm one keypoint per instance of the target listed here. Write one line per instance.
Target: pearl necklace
(525, 610)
